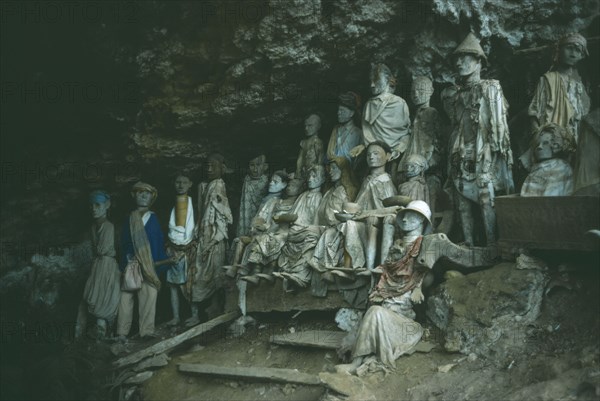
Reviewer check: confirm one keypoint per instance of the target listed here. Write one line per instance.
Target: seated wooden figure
(360, 237)
(311, 148)
(303, 234)
(388, 329)
(261, 223)
(260, 257)
(551, 175)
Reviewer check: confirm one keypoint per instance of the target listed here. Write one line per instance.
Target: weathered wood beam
(170, 343)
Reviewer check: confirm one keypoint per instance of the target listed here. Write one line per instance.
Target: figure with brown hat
(143, 244)
(479, 147)
(214, 220)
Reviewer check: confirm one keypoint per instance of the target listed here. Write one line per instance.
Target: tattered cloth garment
(142, 249)
(399, 277)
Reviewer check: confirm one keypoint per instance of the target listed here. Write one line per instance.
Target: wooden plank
(311, 338)
(170, 343)
(253, 372)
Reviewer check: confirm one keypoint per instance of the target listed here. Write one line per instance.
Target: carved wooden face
(412, 169)
(420, 93)
(143, 198)
(182, 185)
(316, 177)
(467, 64)
(99, 209)
(410, 221)
(312, 125)
(376, 156)
(276, 184)
(334, 172)
(570, 54)
(256, 167)
(547, 147)
(214, 169)
(344, 114)
(379, 84)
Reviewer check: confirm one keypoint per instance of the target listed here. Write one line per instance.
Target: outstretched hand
(417, 296)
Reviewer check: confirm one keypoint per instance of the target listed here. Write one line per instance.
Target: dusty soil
(559, 360)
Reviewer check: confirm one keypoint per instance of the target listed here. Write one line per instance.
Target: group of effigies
(337, 234)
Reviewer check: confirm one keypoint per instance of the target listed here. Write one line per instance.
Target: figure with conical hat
(386, 117)
(480, 157)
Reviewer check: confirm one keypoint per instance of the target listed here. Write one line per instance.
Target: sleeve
(438, 246)
(539, 100)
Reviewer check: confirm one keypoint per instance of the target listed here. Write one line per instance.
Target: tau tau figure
(551, 175)
(253, 191)
(560, 97)
(214, 220)
(386, 117)
(346, 135)
(311, 147)
(181, 245)
(479, 148)
(361, 238)
(388, 329)
(103, 288)
(414, 170)
(425, 137)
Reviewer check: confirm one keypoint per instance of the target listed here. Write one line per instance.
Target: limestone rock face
(486, 312)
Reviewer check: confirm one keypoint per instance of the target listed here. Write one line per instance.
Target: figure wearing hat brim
(143, 240)
(388, 329)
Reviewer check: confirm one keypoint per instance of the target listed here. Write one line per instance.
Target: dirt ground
(559, 360)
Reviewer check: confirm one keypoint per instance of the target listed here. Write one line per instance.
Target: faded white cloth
(386, 118)
(182, 235)
(553, 177)
(253, 191)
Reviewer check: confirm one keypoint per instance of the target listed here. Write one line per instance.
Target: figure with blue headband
(102, 289)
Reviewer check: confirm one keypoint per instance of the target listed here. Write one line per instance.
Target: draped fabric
(561, 100)
(103, 288)
(386, 118)
(553, 177)
(212, 238)
(253, 192)
(415, 189)
(480, 141)
(142, 248)
(343, 139)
